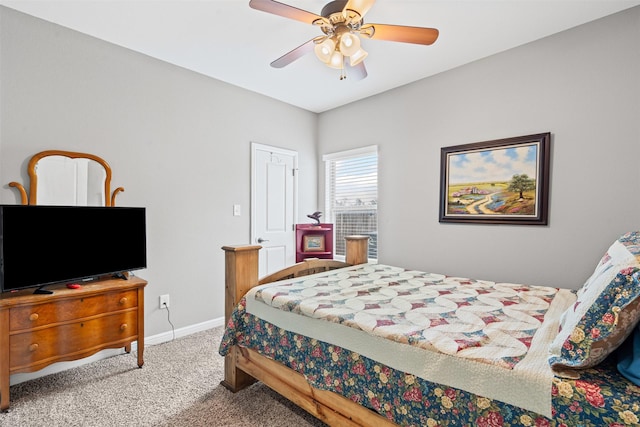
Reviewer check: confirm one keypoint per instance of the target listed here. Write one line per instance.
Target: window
(352, 196)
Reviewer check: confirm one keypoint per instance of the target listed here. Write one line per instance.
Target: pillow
(605, 312)
(629, 357)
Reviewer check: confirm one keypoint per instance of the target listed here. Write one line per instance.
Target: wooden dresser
(38, 330)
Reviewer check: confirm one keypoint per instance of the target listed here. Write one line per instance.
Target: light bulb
(336, 60)
(349, 44)
(325, 49)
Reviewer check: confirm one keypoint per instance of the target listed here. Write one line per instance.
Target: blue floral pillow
(605, 312)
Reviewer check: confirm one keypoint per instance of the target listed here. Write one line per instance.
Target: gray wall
(177, 141)
(582, 85)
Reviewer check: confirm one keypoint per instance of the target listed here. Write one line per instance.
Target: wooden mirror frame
(33, 176)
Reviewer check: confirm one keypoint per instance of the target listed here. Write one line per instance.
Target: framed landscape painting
(504, 181)
(313, 243)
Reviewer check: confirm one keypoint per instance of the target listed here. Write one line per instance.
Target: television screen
(41, 245)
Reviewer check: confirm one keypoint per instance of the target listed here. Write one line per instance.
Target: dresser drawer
(62, 311)
(28, 348)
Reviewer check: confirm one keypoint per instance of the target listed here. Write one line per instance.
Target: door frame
(258, 146)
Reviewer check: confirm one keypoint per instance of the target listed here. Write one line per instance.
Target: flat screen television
(43, 245)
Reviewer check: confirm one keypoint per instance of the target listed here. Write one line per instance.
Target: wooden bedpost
(357, 249)
(241, 274)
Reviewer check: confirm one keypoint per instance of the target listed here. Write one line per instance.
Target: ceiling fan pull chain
(343, 74)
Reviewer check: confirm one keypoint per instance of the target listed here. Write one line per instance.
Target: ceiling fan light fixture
(349, 44)
(358, 57)
(325, 49)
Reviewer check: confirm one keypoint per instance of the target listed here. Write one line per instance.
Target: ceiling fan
(341, 21)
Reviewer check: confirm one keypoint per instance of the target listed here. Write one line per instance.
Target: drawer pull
(123, 301)
(123, 326)
(33, 317)
(33, 347)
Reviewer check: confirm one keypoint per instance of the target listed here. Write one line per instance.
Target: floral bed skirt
(600, 397)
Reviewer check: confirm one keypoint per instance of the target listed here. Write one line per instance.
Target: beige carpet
(179, 385)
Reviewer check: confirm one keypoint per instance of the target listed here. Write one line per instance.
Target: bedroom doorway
(273, 205)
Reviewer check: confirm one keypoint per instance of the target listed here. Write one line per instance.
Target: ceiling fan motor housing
(333, 13)
(336, 6)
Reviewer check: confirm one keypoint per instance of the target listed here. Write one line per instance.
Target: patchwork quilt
(477, 335)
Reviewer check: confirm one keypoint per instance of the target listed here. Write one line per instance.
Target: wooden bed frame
(244, 366)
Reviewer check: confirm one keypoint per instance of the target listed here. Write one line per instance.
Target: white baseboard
(183, 332)
(104, 354)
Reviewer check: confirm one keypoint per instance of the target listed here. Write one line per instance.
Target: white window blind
(352, 196)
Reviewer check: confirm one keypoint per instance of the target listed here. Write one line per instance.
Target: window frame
(328, 160)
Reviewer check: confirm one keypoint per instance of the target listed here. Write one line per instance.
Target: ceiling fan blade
(401, 33)
(285, 10)
(296, 53)
(357, 72)
(360, 6)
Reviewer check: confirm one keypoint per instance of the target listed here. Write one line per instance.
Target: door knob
(260, 240)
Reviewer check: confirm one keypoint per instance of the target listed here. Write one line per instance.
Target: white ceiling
(229, 41)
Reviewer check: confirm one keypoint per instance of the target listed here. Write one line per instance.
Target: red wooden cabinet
(314, 241)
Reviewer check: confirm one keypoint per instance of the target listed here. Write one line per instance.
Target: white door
(273, 205)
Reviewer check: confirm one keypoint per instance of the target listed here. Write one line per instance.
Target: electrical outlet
(164, 301)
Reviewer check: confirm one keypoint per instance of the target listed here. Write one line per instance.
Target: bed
(362, 344)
